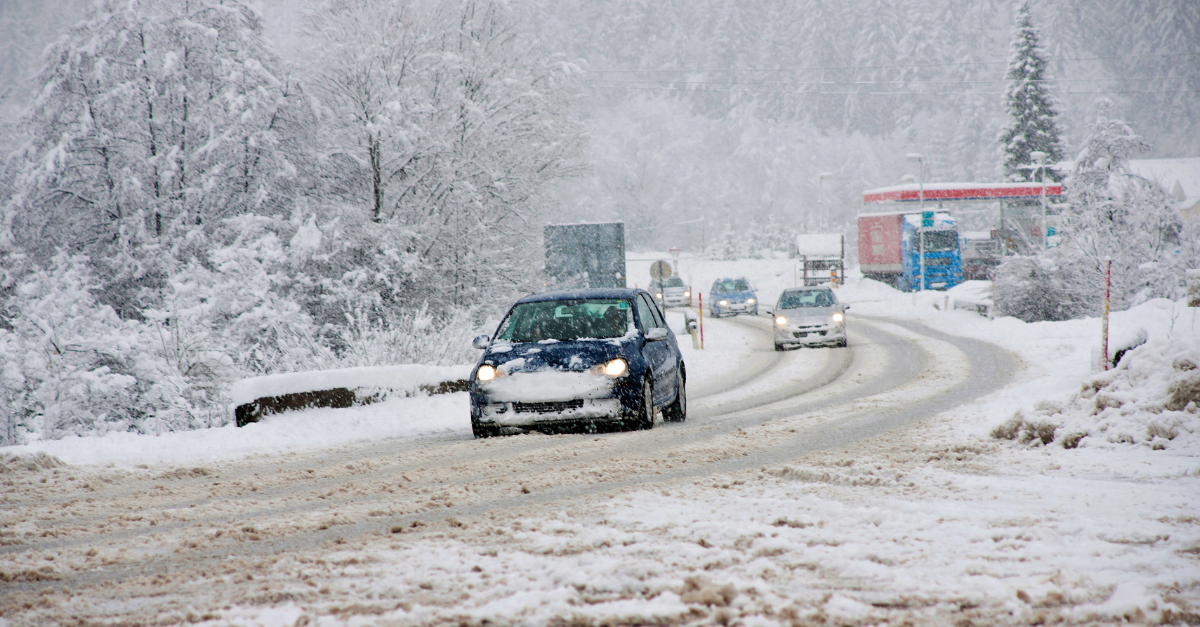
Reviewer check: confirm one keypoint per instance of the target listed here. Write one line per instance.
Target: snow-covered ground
(971, 516)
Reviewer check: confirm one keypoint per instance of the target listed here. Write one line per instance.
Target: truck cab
(942, 251)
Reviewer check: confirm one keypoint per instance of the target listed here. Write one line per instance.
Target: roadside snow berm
(261, 396)
(1152, 398)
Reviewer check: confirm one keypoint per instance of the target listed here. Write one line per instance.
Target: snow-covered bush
(1111, 214)
(1152, 398)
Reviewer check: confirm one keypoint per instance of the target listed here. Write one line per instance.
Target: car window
(737, 285)
(566, 320)
(674, 282)
(806, 298)
(646, 313)
(658, 314)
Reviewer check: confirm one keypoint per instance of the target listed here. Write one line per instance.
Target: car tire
(677, 411)
(779, 347)
(842, 343)
(482, 431)
(644, 419)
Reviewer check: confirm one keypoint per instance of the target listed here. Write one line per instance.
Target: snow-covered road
(819, 486)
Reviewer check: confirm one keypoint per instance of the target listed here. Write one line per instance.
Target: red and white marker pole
(1104, 320)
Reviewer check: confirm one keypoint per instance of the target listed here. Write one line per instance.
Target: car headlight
(687, 294)
(485, 373)
(615, 368)
(658, 296)
(722, 302)
(838, 317)
(780, 320)
(749, 301)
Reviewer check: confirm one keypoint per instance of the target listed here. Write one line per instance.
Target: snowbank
(1152, 398)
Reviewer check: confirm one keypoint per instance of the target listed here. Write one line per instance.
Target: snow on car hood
(572, 356)
(809, 315)
(550, 371)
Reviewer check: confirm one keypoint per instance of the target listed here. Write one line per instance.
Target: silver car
(809, 316)
(671, 293)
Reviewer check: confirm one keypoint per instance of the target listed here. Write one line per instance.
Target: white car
(672, 293)
(809, 316)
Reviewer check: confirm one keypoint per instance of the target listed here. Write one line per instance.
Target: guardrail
(257, 397)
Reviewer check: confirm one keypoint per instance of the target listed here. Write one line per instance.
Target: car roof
(595, 292)
(807, 288)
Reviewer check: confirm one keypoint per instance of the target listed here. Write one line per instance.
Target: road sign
(660, 270)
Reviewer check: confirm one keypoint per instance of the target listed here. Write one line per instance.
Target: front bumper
(809, 334)
(554, 399)
(736, 308)
(676, 300)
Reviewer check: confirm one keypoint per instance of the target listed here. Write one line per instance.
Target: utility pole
(820, 198)
(1040, 157)
(916, 156)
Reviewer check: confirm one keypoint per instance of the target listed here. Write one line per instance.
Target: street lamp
(916, 157)
(1040, 158)
(820, 200)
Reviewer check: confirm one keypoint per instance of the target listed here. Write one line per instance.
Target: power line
(608, 81)
(872, 67)
(882, 93)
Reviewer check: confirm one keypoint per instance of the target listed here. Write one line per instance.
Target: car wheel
(644, 419)
(677, 411)
(779, 347)
(482, 431)
(842, 343)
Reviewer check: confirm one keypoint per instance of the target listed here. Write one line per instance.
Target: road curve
(111, 534)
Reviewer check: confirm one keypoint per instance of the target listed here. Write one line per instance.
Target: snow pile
(1152, 398)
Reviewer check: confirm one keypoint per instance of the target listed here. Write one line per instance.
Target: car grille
(547, 408)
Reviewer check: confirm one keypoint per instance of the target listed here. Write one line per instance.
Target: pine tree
(1028, 100)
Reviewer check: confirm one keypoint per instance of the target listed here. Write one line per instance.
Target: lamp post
(820, 197)
(916, 157)
(1040, 158)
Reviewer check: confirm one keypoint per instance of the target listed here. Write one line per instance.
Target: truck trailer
(889, 249)
(822, 258)
(585, 255)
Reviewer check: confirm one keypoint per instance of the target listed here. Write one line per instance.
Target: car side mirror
(845, 307)
(656, 334)
(481, 342)
(770, 312)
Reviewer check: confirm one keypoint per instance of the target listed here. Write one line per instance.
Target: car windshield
(566, 320)
(737, 285)
(806, 298)
(941, 241)
(674, 282)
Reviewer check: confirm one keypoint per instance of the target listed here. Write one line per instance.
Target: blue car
(589, 360)
(729, 297)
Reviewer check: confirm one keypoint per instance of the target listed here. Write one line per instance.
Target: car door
(657, 354)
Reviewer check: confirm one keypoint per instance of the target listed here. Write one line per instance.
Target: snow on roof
(958, 192)
(940, 219)
(819, 244)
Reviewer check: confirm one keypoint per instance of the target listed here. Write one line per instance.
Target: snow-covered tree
(1111, 214)
(1031, 107)
(451, 124)
(152, 115)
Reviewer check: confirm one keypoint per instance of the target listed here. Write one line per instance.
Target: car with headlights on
(580, 360)
(671, 292)
(809, 316)
(729, 297)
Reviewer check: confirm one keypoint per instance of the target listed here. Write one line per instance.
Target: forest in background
(200, 190)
